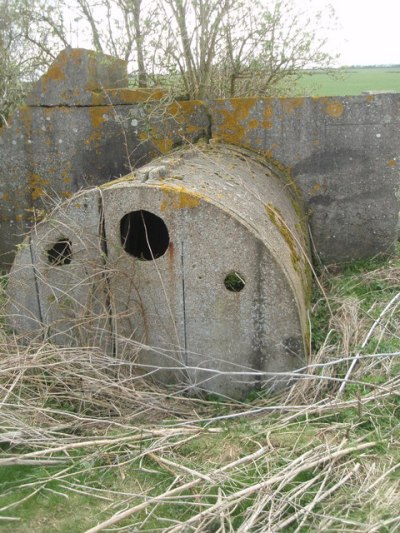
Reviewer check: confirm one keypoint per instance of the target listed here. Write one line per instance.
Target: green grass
(350, 81)
(144, 457)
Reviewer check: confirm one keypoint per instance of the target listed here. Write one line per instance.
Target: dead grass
(88, 444)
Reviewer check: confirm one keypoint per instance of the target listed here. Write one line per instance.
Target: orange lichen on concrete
(268, 113)
(36, 186)
(315, 189)
(333, 108)
(178, 197)
(163, 145)
(96, 115)
(57, 70)
(392, 163)
(97, 118)
(182, 111)
(172, 122)
(253, 123)
(235, 113)
(291, 104)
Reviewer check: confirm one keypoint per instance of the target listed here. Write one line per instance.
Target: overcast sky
(368, 33)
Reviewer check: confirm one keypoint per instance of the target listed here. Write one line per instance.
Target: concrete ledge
(82, 129)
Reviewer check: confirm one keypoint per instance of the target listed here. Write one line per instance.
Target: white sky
(368, 33)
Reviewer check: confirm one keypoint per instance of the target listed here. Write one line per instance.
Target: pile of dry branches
(78, 410)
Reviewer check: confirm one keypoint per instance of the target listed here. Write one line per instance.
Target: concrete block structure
(200, 258)
(194, 262)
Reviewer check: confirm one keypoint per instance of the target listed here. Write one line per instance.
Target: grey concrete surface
(344, 155)
(174, 232)
(74, 75)
(81, 127)
(58, 278)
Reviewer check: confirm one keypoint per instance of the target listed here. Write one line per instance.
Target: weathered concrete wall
(343, 153)
(199, 258)
(81, 128)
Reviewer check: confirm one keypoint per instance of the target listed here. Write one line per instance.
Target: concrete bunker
(194, 267)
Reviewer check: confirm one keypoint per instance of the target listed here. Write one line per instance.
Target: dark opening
(234, 282)
(60, 253)
(144, 235)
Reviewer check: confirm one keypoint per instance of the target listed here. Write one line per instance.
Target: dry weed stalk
(79, 409)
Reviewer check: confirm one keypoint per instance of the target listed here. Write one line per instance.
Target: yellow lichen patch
(253, 123)
(178, 197)
(76, 54)
(234, 124)
(277, 219)
(124, 179)
(18, 218)
(66, 194)
(291, 104)
(370, 98)
(96, 115)
(268, 113)
(36, 184)
(163, 145)
(56, 72)
(392, 163)
(143, 136)
(335, 109)
(315, 190)
(190, 106)
(171, 122)
(181, 112)
(242, 107)
(97, 118)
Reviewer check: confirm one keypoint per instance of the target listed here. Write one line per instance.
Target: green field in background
(350, 81)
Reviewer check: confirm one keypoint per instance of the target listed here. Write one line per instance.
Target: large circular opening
(144, 235)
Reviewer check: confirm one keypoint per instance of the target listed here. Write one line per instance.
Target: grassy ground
(350, 81)
(82, 450)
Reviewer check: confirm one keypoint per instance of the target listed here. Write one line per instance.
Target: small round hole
(60, 253)
(144, 235)
(234, 282)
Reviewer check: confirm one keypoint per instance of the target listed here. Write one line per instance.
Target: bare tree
(20, 62)
(266, 47)
(241, 47)
(204, 48)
